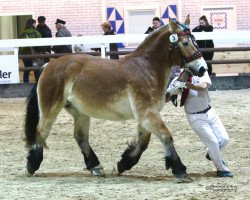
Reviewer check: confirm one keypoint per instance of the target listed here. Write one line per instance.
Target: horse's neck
(155, 51)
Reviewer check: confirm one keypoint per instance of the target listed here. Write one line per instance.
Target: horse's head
(184, 50)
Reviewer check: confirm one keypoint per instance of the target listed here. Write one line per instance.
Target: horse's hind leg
(35, 155)
(152, 122)
(134, 151)
(81, 135)
(37, 128)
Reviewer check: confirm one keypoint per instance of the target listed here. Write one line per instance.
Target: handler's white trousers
(212, 133)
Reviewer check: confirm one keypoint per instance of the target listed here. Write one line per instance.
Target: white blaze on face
(197, 64)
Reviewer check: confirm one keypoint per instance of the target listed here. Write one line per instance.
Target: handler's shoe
(208, 157)
(224, 174)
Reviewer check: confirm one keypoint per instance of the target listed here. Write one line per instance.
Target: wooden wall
(231, 69)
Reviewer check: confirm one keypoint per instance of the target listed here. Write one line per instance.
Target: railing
(228, 49)
(221, 37)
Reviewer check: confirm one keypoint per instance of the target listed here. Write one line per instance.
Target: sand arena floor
(62, 174)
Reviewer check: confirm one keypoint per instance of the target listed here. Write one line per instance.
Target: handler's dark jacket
(63, 32)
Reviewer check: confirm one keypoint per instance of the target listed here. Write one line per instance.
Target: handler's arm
(197, 87)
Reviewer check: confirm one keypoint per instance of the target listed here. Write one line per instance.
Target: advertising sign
(9, 70)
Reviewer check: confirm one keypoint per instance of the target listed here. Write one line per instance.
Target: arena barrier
(107, 53)
(219, 83)
(238, 38)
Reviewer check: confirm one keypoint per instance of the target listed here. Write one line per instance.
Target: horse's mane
(152, 36)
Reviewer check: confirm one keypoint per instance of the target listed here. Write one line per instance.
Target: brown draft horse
(130, 88)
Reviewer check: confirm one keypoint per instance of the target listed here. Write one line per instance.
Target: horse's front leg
(81, 135)
(153, 122)
(132, 154)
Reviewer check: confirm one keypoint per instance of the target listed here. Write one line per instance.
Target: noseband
(197, 54)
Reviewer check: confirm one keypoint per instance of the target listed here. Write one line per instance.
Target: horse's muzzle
(197, 67)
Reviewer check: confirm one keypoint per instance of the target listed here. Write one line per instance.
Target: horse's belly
(115, 111)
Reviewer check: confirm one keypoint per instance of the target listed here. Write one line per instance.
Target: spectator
(106, 27)
(156, 24)
(30, 32)
(62, 31)
(203, 119)
(44, 30)
(205, 27)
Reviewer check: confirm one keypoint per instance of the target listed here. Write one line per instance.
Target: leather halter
(196, 54)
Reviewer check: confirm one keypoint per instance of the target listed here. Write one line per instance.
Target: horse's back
(95, 86)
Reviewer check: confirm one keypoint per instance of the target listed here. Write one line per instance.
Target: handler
(203, 119)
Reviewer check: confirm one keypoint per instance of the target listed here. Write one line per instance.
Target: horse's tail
(32, 117)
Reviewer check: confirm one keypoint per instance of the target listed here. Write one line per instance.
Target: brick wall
(193, 7)
(84, 16)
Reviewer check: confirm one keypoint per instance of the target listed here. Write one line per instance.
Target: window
(137, 19)
(12, 26)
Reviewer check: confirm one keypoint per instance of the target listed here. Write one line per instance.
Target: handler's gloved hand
(175, 87)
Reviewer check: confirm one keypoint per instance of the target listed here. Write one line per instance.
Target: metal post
(17, 63)
(103, 53)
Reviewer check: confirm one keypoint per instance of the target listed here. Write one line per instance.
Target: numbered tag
(173, 38)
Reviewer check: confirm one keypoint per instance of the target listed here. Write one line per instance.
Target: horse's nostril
(201, 72)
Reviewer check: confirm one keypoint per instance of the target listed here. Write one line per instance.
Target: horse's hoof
(183, 178)
(98, 171)
(30, 169)
(183, 175)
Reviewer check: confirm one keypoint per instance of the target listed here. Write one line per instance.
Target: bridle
(174, 45)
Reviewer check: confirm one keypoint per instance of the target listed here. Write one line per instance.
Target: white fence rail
(226, 39)
(232, 36)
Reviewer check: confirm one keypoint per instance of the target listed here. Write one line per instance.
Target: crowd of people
(41, 30)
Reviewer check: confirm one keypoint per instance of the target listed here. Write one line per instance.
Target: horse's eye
(185, 43)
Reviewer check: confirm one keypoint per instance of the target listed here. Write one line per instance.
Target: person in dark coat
(62, 31)
(44, 30)
(106, 27)
(205, 27)
(156, 24)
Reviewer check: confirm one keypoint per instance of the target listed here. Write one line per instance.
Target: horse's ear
(187, 21)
